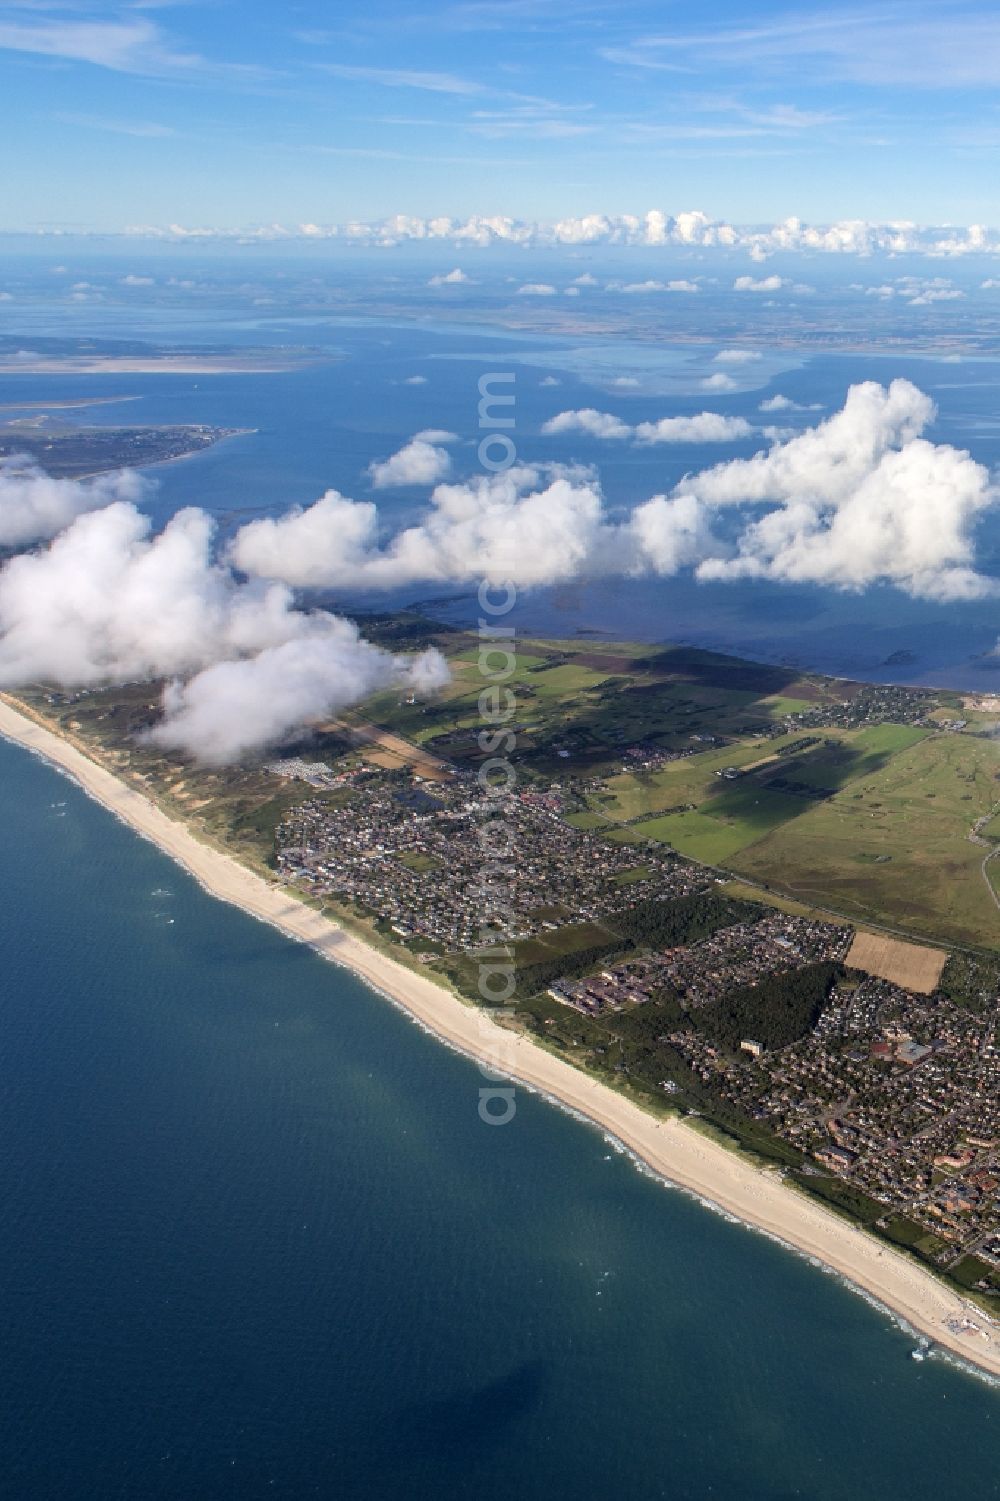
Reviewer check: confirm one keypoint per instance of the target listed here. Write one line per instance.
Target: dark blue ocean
(255, 1242)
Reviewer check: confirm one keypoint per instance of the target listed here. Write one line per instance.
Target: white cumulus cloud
(720, 381)
(422, 461)
(859, 498)
(107, 601)
(534, 527)
(779, 403)
(737, 357)
(862, 497)
(703, 427)
(653, 229)
(235, 708)
(588, 420)
(34, 506)
(759, 284)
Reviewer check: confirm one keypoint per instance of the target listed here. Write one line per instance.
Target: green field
(780, 704)
(695, 834)
(417, 862)
(893, 843)
(724, 825)
(871, 822)
(689, 780)
(577, 706)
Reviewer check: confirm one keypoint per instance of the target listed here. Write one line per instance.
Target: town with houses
(387, 847)
(894, 1093)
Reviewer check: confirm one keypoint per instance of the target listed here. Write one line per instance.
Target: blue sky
(237, 112)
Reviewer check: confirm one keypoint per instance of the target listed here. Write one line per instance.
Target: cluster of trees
(776, 1012)
(972, 980)
(647, 924)
(658, 924)
(400, 630)
(532, 978)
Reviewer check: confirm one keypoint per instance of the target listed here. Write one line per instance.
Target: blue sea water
(319, 426)
(256, 1242)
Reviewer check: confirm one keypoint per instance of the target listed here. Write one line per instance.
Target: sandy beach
(671, 1149)
(166, 364)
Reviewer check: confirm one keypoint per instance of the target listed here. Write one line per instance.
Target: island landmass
(754, 930)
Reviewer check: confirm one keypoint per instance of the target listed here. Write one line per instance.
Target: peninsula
(70, 452)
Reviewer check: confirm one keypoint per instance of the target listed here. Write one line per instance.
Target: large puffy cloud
(703, 427)
(109, 602)
(859, 498)
(828, 460)
(528, 525)
(669, 533)
(34, 506)
(323, 545)
(422, 461)
(907, 521)
(234, 708)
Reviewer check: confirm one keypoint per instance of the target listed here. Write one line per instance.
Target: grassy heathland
(893, 844)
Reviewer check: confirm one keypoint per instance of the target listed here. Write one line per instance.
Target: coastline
(167, 364)
(176, 458)
(669, 1148)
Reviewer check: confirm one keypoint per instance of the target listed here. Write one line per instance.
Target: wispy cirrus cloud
(131, 44)
(146, 130)
(406, 78)
(895, 45)
(539, 125)
(128, 46)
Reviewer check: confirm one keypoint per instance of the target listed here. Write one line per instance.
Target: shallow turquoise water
(254, 1241)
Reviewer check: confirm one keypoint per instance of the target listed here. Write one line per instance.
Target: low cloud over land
(34, 506)
(109, 602)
